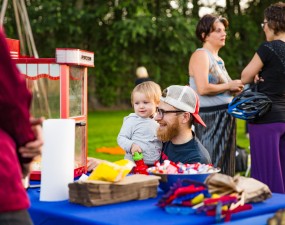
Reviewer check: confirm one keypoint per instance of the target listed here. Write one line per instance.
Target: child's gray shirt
(143, 132)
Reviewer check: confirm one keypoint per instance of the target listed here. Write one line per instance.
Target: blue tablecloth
(256, 220)
(133, 212)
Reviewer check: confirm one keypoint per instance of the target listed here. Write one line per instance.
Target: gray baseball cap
(183, 98)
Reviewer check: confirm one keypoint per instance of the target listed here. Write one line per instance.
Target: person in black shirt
(267, 134)
(177, 111)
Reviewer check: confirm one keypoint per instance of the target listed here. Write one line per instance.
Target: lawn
(104, 126)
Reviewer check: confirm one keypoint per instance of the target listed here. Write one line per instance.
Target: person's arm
(249, 73)
(124, 138)
(15, 100)
(33, 148)
(199, 68)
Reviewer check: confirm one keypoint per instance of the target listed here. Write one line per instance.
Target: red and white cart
(59, 88)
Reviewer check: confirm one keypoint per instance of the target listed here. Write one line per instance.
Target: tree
(126, 34)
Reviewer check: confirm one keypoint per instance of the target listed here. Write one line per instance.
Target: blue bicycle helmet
(249, 105)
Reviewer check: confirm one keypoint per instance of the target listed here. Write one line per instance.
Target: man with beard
(177, 111)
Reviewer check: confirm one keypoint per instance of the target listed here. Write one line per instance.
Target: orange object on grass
(111, 150)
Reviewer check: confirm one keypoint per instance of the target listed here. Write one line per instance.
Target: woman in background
(209, 78)
(142, 75)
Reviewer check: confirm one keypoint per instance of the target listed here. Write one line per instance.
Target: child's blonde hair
(151, 89)
(141, 72)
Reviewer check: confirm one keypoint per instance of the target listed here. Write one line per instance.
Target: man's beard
(167, 132)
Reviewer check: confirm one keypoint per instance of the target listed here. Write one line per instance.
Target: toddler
(139, 130)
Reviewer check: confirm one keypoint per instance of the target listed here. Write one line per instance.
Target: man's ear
(186, 117)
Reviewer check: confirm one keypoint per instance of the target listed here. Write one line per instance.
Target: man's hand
(34, 148)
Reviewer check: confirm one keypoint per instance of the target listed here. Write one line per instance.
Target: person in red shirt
(20, 140)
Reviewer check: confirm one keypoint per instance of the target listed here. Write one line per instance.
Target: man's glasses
(161, 112)
(263, 24)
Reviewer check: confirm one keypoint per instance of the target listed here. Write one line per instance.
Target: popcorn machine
(59, 88)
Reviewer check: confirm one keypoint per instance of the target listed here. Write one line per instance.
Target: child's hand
(135, 148)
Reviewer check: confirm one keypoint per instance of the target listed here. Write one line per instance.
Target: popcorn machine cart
(59, 88)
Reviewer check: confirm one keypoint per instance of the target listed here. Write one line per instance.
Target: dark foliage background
(127, 34)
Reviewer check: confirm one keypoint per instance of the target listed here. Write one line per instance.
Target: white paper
(83, 177)
(57, 159)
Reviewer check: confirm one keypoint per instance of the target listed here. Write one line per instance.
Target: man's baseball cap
(183, 98)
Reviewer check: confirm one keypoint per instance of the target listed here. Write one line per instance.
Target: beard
(167, 132)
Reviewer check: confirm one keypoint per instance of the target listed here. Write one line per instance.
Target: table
(256, 220)
(133, 212)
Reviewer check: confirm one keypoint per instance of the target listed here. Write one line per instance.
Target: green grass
(242, 140)
(103, 128)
